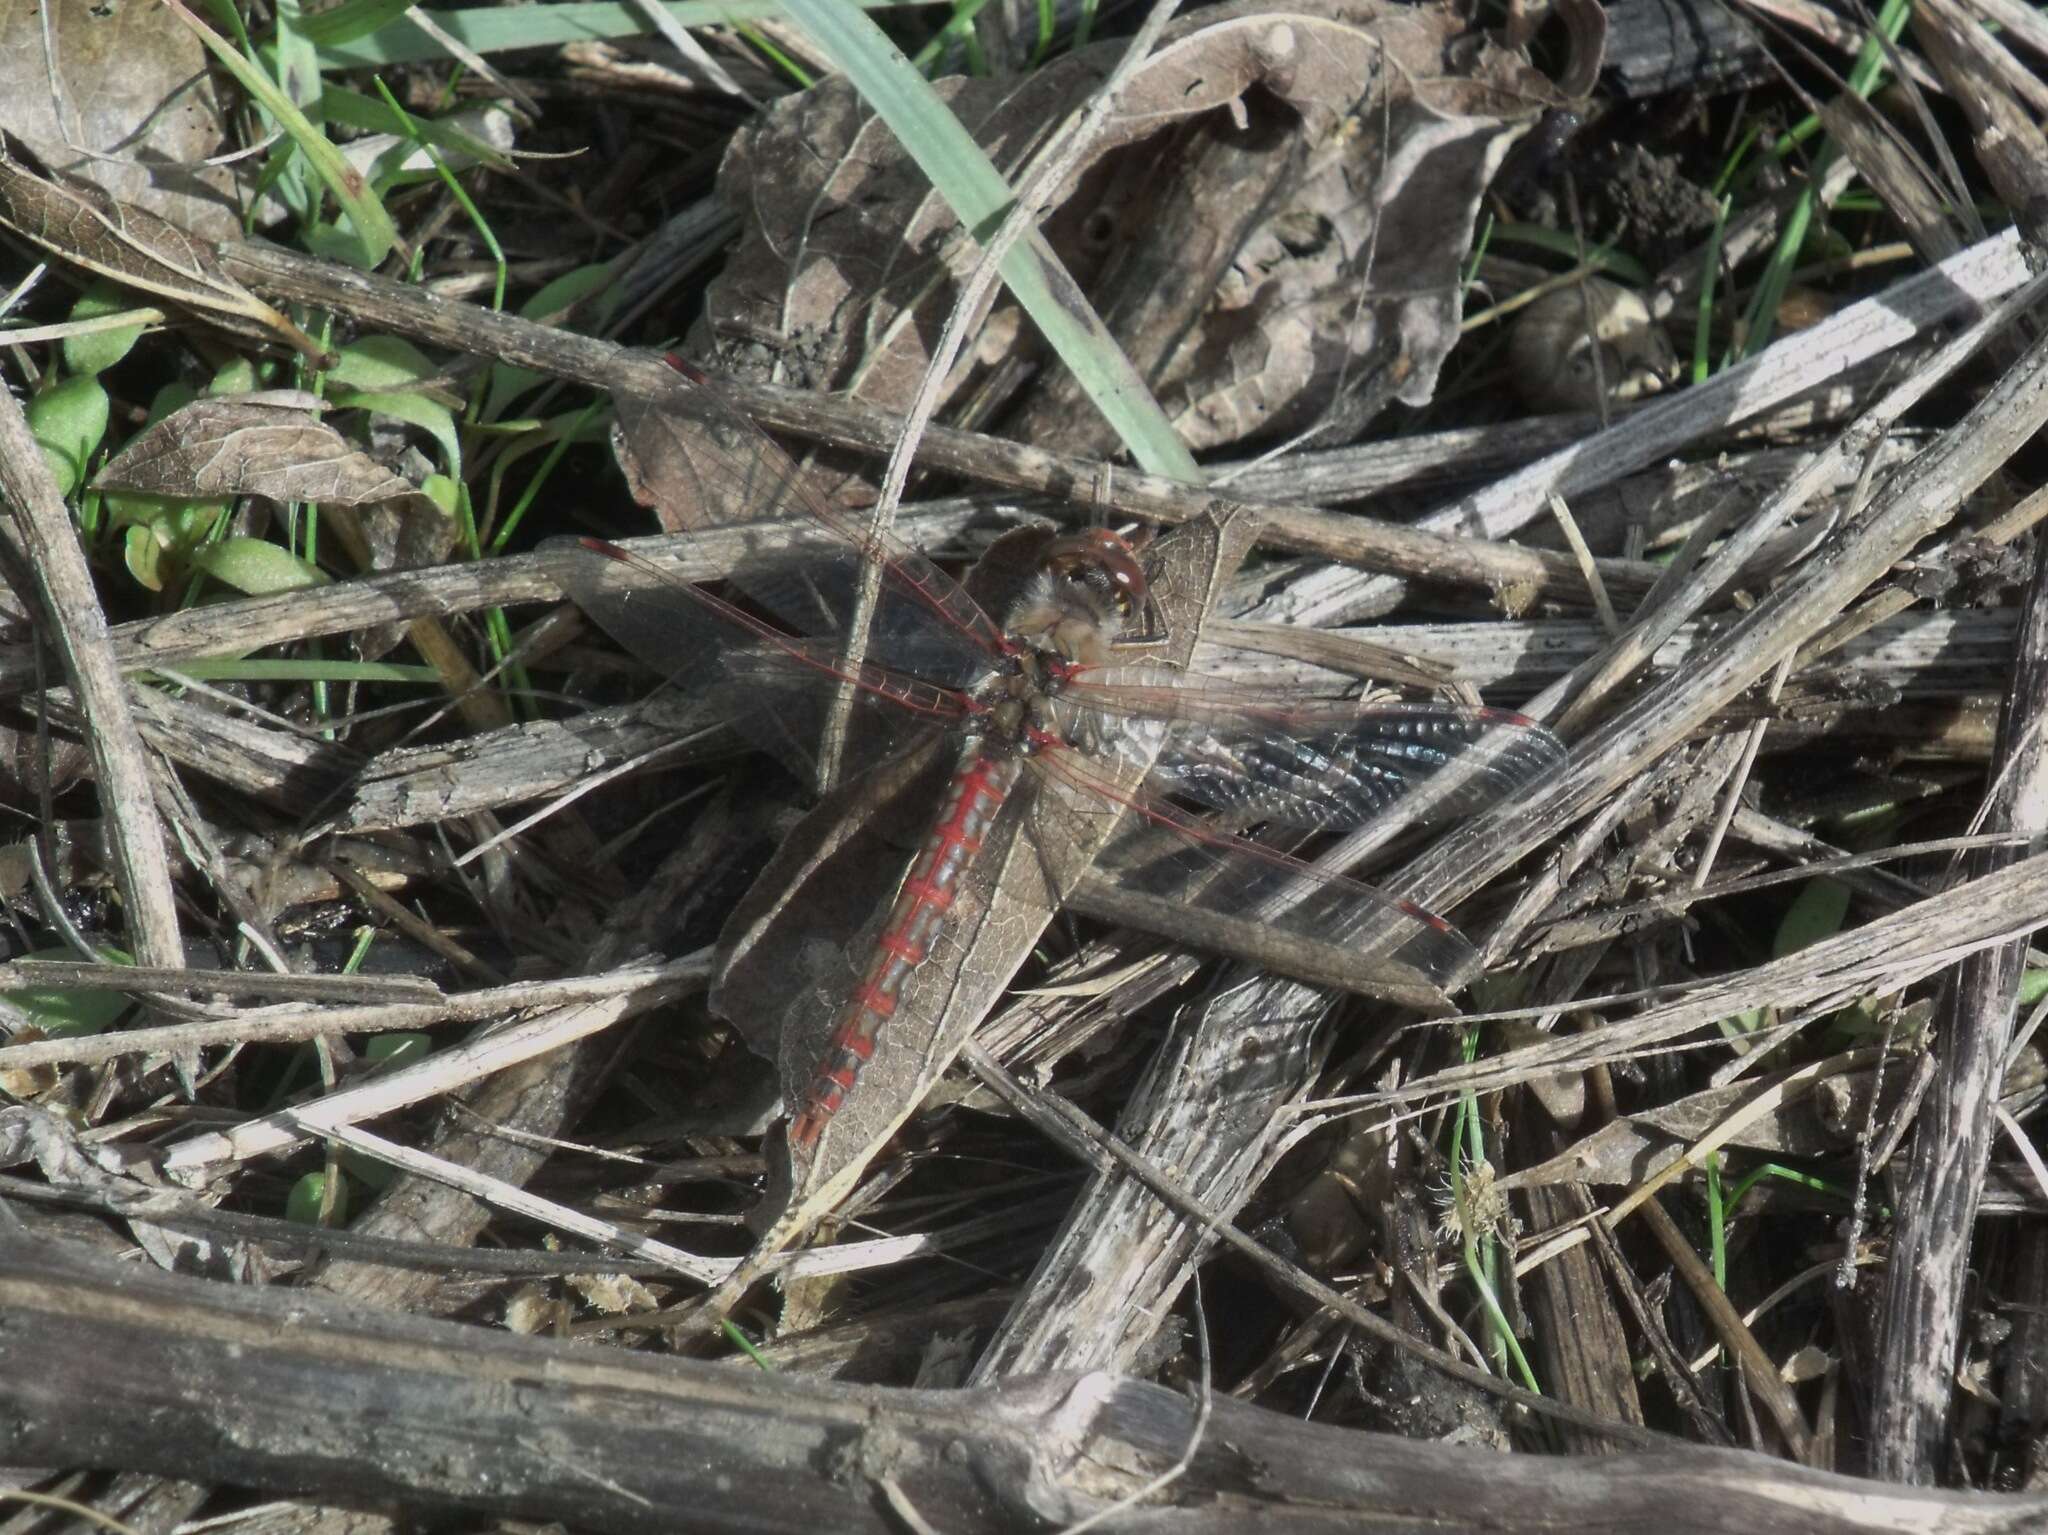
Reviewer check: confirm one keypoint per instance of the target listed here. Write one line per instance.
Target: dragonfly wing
(1450, 763)
(698, 462)
(800, 701)
(1256, 898)
(1316, 764)
(795, 944)
(821, 597)
(783, 691)
(673, 626)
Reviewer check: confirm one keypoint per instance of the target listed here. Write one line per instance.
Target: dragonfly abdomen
(916, 919)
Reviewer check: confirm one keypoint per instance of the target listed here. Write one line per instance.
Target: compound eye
(1103, 561)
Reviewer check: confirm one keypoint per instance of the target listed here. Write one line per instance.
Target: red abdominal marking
(902, 948)
(919, 912)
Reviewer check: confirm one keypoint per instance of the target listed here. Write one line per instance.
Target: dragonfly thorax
(1020, 710)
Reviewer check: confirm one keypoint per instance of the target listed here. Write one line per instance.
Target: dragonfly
(1034, 684)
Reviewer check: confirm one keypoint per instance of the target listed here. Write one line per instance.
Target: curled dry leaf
(77, 222)
(1275, 215)
(1594, 339)
(251, 445)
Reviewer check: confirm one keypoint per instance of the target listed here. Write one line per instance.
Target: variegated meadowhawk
(1062, 730)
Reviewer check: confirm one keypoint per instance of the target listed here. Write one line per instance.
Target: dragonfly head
(1089, 586)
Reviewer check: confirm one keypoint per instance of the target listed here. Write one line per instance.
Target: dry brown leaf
(79, 223)
(1632, 1148)
(119, 96)
(693, 467)
(1242, 225)
(251, 445)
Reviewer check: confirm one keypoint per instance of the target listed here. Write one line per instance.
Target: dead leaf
(1636, 1147)
(269, 445)
(695, 465)
(119, 96)
(77, 222)
(1593, 340)
(251, 445)
(1220, 226)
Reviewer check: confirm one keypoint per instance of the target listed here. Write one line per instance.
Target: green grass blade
(363, 38)
(374, 231)
(350, 20)
(963, 175)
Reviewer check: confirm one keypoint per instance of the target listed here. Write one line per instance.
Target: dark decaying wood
(1654, 46)
(118, 1365)
(1574, 1319)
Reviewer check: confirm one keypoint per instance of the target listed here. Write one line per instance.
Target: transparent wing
(699, 462)
(1313, 764)
(1191, 881)
(784, 691)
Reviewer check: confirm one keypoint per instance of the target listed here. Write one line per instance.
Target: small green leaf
(1817, 912)
(373, 233)
(331, 242)
(143, 553)
(352, 19)
(258, 568)
(1748, 1021)
(430, 416)
(99, 350)
(66, 1012)
(162, 534)
(173, 396)
(508, 382)
(296, 65)
(443, 492)
(458, 138)
(69, 422)
(305, 669)
(237, 377)
(302, 1205)
(177, 519)
(380, 363)
(368, 1171)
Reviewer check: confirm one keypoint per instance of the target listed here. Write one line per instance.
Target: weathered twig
(46, 545)
(1430, 555)
(1925, 1281)
(293, 1393)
